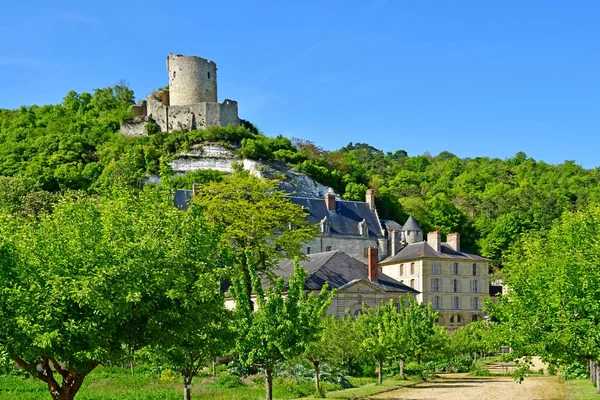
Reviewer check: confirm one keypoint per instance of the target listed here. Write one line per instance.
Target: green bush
(551, 369)
(226, 380)
(574, 370)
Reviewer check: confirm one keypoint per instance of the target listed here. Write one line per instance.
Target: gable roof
(420, 250)
(339, 270)
(411, 225)
(391, 225)
(345, 219)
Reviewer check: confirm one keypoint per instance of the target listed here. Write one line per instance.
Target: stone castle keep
(190, 102)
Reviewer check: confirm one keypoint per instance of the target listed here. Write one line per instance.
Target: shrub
(551, 369)
(168, 376)
(226, 380)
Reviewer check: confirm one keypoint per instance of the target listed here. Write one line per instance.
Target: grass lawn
(106, 383)
(111, 383)
(582, 389)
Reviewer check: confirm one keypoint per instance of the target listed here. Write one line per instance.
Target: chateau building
(453, 281)
(356, 283)
(369, 260)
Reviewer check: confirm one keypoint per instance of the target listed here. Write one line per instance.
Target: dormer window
(363, 228)
(325, 226)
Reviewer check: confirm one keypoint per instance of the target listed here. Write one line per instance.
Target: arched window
(401, 270)
(412, 268)
(455, 285)
(412, 283)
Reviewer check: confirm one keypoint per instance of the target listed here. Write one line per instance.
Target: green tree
(379, 327)
(93, 275)
(286, 320)
(257, 220)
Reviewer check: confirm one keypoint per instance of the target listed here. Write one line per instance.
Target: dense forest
(76, 145)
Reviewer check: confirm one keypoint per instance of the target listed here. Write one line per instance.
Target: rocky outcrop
(217, 157)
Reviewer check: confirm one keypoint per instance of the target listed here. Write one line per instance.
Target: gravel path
(464, 387)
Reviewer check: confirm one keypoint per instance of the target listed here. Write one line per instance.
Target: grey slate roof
(343, 221)
(423, 250)
(182, 198)
(339, 269)
(391, 225)
(411, 225)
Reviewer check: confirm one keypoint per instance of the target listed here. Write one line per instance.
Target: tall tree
(258, 220)
(82, 281)
(285, 322)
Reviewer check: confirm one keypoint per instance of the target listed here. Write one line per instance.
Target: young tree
(379, 328)
(258, 220)
(82, 281)
(419, 326)
(285, 322)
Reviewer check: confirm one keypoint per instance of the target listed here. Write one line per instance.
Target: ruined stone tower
(192, 80)
(189, 103)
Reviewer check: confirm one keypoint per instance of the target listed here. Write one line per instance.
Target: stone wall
(134, 129)
(192, 80)
(229, 113)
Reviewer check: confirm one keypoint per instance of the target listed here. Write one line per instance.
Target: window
(455, 303)
(366, 252)
(208, 74)
(436, 303)
(435, 285)
(327, 248)
(174, 72)
(475, 303)
(401, 270)
(308, 250)
(412, 268)
(455, 285)
(436, 268)
(474, 269)
(412, 283)
(475, 286)
(475, 318)
(455, 319)
(454, 268)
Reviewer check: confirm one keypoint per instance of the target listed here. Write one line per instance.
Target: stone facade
(189, 103)
(454, 282)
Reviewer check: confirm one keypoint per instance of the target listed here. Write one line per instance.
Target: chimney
(394, 243)
(373, 264)
(330, 201)
(453, 240)
(434, 240)
(370, 198)
(195, 188)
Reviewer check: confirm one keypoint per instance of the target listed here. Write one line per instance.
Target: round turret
(192, 80)
(412, 232)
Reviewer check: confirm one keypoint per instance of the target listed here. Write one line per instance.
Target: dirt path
(464, 387)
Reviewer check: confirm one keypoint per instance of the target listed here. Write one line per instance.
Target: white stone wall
(192, 80)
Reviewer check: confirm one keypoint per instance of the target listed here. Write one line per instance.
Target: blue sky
(476, 78)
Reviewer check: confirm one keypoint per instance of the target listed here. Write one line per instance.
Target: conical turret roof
(411, 225)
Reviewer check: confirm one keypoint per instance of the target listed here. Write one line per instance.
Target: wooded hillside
(76, 145)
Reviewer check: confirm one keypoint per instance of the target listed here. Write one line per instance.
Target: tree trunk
(402, 368)
(214, 367)
(269, 383)
(597, 377)
(132, 366)
(187, 387)
(419, 359)
(592, 372)
(379, 374)
(317, 378)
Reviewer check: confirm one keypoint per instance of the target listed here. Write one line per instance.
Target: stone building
(356, 283)
(453, 281)
(189, 103)
(351, 227)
